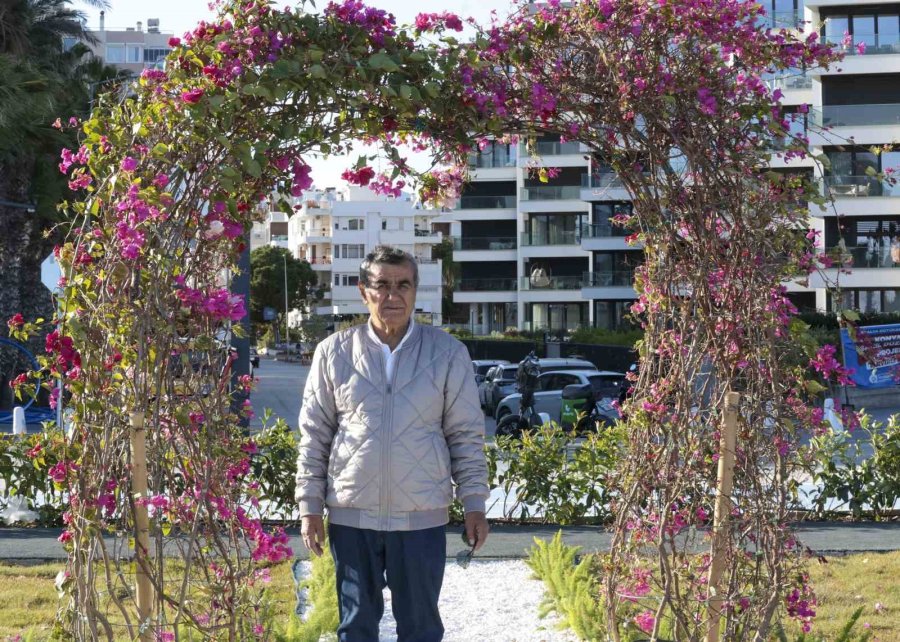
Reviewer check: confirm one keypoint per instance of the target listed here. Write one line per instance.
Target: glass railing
(605, 181)
(860, 186)
(861, 256)
(486, 243)
(487, 161)
(324, 232)
(875, 45)
(851, 115)
(780, 20)
(553, 237)
(554, 149)
(486, 285)
(421, 232)
(551, 193)
(486, 202)
(279, 237)
(615, 279)
(789, 81)
(603, 230)
(540, 282)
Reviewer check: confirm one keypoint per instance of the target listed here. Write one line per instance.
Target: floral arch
(668, 94)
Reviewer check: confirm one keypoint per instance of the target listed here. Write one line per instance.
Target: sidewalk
(510, 542)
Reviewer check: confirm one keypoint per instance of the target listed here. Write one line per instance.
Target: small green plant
(274, 466)
(321, 605)
(571, 587)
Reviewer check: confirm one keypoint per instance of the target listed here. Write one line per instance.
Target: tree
(39, 82)
(267, 281)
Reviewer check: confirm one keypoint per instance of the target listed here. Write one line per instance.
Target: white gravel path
(491, 601)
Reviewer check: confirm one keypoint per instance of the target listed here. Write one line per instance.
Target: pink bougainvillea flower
(174, 41)
(193, 96)
(128, 164)
(645, 621)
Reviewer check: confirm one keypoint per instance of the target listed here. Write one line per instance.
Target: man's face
(390, 295)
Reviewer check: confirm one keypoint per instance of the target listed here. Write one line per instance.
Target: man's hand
(312, 531)
(476, 529)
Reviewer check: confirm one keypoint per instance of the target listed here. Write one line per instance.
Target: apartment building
(859, 102)
(546, 256)
(131, 48)
(334, 230)
(272, 231)
(542, 255)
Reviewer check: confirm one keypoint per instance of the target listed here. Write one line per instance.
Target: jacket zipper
(387, 417)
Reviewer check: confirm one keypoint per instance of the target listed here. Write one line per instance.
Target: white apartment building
(334, 230)
(538, 256)
(130, 48)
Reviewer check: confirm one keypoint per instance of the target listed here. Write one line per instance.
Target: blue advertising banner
(877, 363)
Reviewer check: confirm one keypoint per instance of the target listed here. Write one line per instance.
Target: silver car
(481, 366)
(548, 396)
(504, 382)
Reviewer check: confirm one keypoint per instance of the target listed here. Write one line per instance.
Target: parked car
(548, 397)
(481, 366)
(504, 382)
(493, 373)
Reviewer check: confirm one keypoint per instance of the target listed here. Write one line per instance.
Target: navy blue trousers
(410, 563)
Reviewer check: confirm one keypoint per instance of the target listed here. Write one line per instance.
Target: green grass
(28, 600)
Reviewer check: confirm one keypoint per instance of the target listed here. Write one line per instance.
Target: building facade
(131, 48)
(334, 230)
(548, 256)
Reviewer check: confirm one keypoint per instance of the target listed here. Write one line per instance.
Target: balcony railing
(487, 202)
(603, 231)
(319, 261)
(875, 45)
(860, 256)
(423, 261)
(551, 283)
(780, 20)
(601, 181)
(422, 232)
(553, 237)
(790, 81)
(323, 232)
(279, 237)
(855, 115)
(551, 193)
(860, 186)
(617, 278)
(556, 148)
(487, 285)
(486, 243)
(489, 161)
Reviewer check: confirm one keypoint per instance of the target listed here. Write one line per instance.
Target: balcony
(606, 180)
(319, 264)
(618, 278)
(860, 187)
(486, 243)
(321, 235)
(487, 202)
(859, 257)
(487, 285)
(780, 20)
(551, 283)
(427, 236)
(553, 237)
(551, 193)
(856, 115)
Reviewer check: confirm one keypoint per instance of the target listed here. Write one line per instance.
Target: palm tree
(39, 82)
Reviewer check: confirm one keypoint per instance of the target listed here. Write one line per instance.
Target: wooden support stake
(143, 587)
(724, 486)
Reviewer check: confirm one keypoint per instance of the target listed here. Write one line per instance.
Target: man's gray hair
(387, 255)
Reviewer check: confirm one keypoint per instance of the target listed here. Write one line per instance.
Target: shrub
(600, 336)
(571, 587)
(320, 592)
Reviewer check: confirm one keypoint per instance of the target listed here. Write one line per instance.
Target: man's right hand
(312, 531)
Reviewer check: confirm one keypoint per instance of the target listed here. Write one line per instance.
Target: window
(384, 224)
(155, 54)
(835, 28)
(356, 224)
(346, 279)
(353, 251)
(115, 54)
(135, 54)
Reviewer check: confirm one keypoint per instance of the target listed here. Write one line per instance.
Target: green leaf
(383, 62)
(850, 315)
(317, 71)
(406, 91)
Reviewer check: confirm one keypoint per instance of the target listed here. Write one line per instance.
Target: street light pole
(287, 330)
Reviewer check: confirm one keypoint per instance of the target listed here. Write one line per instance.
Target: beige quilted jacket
(384, 455)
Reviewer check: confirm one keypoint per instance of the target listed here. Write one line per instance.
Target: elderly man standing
(390, 418)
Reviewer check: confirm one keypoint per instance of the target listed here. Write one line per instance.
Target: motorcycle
(527, 375)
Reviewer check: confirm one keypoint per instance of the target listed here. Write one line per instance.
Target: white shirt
(386, 349)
